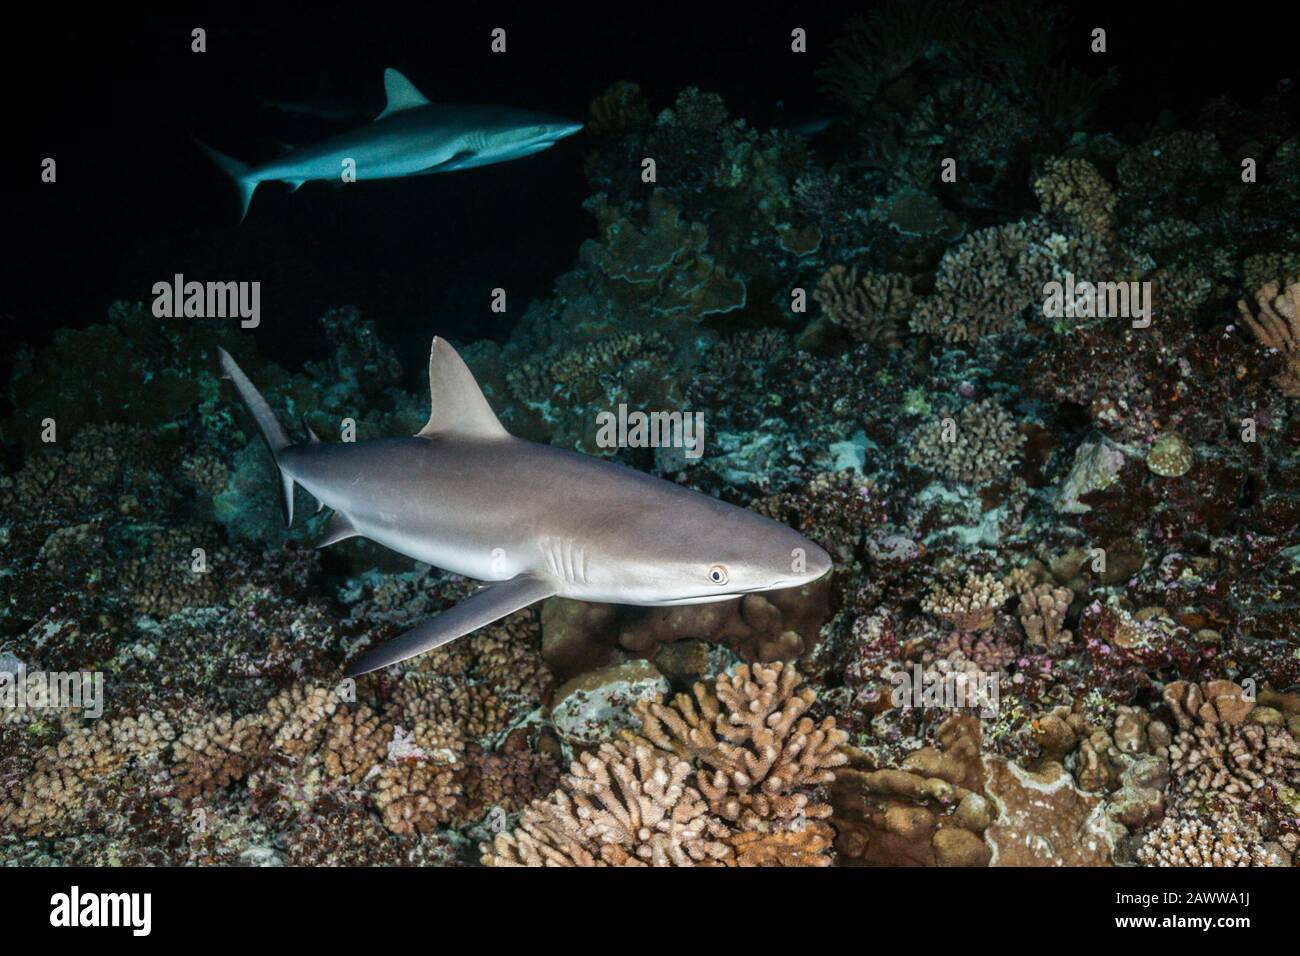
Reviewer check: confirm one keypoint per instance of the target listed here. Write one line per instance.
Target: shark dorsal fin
(402, 95)
(459, 407)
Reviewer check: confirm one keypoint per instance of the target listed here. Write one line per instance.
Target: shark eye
(718, 574)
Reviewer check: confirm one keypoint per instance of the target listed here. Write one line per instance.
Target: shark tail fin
(273, 432)
(239, 173)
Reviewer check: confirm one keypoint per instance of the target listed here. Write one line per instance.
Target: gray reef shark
(411, 137)
(467, 496)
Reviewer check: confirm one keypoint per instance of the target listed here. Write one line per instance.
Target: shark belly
(457, 509)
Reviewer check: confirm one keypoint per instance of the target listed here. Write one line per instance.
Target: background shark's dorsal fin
(458, 403)
(402, 95)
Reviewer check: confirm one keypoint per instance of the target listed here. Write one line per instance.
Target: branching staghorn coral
(988, 279)
(871, 308)
(1185, 840)
(757, 764)
(1277, 326)
(627, 805)
(1073, 188)
(978, 446)
(1042, 608)
(760, 754)
(1218, 753)
(968, 606)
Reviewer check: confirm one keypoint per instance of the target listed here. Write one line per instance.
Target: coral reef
(1091, 513)
(979, 445)
(727, 776)
(870, 308)
(1277, 326)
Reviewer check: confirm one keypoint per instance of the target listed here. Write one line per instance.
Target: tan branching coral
(870, 308)
(416, 795)
(1231, 754)
(986, 280)
(968, 606)
(757, 765)
(1042, 615)
(806, 846)
(1185, 840)
(510, 658)
(978, 446)
(1073, 188)
(510, 778)
(1234, 761)
(356, 740)
(162, 580)
(83, 760)
(576, 372)
(58, 782)
(210, 755)
(626, 805)
(447, 710)
(1277, 326)
(297, 718)
(760, 754)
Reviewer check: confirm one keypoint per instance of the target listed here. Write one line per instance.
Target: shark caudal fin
(272, 432)
(239, 173)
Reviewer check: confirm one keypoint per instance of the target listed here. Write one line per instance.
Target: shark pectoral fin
(477, 610)
(401, 93)
(458, 405)
(337, 529)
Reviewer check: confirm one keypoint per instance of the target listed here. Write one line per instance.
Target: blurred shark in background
(411, 137)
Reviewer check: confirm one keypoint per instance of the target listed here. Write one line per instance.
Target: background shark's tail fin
(237, 171)
(272, 431)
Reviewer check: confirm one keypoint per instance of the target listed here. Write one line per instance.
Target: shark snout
(811, 563)
(565, 129)
(819, 563)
